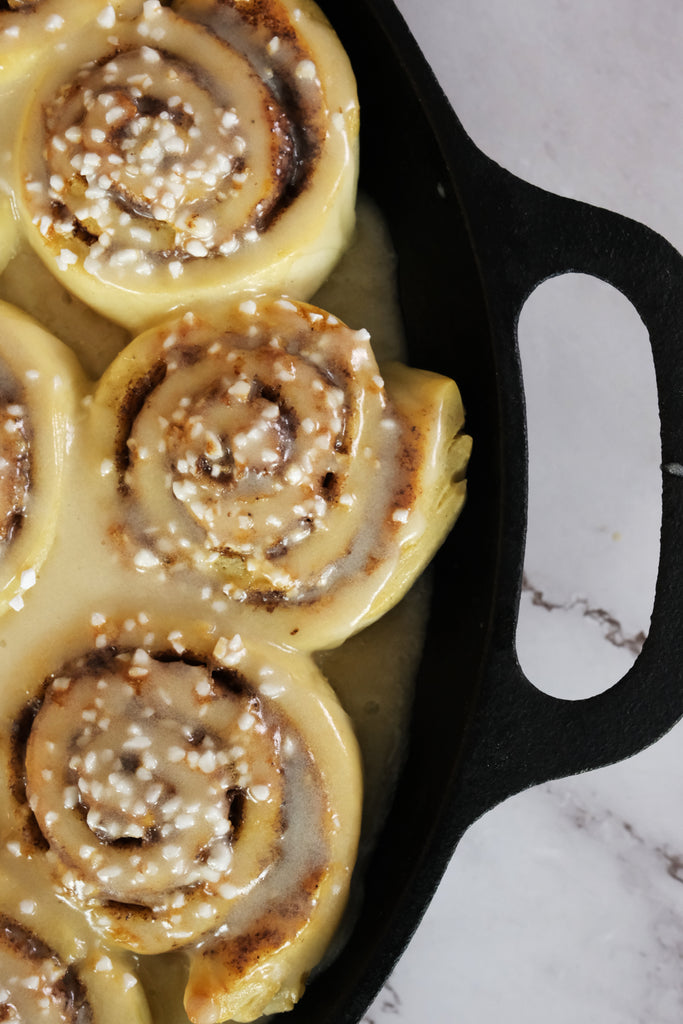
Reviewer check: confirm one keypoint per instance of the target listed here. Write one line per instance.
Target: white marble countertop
(566, 903)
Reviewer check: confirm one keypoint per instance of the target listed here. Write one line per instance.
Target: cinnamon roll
(194, 790)
(40, 384)
(173, 159)
(263, 452)
(53, 969)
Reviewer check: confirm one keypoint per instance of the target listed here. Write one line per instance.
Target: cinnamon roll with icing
(40, 385)
(193, 790)
(180, 788)
(264, 453)
(164, 162)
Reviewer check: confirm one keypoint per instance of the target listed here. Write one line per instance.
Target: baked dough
(245, 484)
(190, 788)
(41, 386)
(261, 453)
(164, 163)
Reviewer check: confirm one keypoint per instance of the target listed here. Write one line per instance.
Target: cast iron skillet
(473, 241)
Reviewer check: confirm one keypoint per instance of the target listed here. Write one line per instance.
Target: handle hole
(594, 486)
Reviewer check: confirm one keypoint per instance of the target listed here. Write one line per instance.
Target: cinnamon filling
(15, 464)
(122, 146)
(160, 782)
(34, 984)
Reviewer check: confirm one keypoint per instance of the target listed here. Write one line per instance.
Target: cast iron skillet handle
(522, 236)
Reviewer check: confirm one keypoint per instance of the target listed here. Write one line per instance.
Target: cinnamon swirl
(192, 789)
(167, 162)
(263, 452)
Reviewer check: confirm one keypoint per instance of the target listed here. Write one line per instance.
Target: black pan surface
(473, 241)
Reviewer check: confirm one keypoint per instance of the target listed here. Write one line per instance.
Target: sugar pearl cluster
(145, 773)
(142, 166)
(246, 445)
(149, 162)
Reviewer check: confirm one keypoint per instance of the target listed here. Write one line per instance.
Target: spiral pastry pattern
(264, 451)
(174, 165)
(40, 384)
(189, 788)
